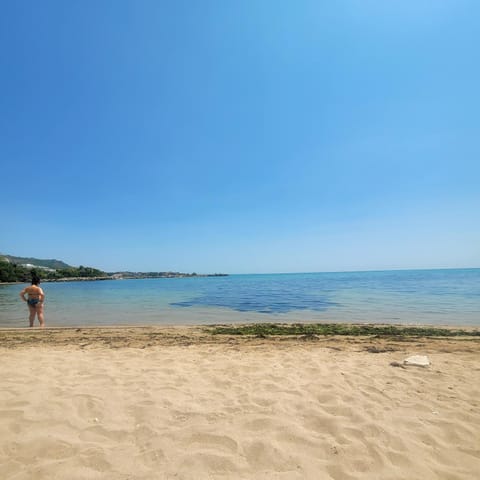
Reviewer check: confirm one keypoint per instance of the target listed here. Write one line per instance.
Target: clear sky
(241, 136)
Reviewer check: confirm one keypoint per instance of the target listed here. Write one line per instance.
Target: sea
(408, 297)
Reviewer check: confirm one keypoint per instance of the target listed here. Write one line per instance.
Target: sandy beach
(180, 403)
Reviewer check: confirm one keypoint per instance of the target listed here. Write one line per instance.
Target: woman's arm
(42, 296)
(22, 294)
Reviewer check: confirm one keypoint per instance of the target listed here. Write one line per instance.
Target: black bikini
(33, 301)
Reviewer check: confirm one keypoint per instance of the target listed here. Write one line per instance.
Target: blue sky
(241, 136)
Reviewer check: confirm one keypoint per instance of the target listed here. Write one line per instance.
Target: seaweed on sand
(325, 329)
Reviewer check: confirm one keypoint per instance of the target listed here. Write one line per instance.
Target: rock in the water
(417, 361)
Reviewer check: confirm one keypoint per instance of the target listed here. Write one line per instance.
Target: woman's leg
(31, 317)
(40, 314)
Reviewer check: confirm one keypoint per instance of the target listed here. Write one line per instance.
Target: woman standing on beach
(35, 300)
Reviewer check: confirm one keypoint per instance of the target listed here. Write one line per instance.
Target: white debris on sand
(417, 361)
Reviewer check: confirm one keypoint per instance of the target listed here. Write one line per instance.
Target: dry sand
(177, 403)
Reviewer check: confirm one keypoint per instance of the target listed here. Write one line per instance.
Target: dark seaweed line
(339, 329)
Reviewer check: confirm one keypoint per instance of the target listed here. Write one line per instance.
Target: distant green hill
(56, 264)
(20, 269)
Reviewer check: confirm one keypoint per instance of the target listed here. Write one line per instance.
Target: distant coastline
(20, 269)
(138, 276)
(141, 275)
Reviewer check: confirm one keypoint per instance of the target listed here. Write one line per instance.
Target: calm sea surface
(442, 297)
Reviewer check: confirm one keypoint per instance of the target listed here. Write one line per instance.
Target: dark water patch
(261, 305)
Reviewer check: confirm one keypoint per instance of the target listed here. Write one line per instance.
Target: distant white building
(30, 267)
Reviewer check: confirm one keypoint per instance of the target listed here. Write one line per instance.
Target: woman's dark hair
(35, 279)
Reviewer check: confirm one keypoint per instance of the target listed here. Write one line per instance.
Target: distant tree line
(80, 271)
(11, 272)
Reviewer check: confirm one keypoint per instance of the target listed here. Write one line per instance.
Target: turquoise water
(442, 297)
